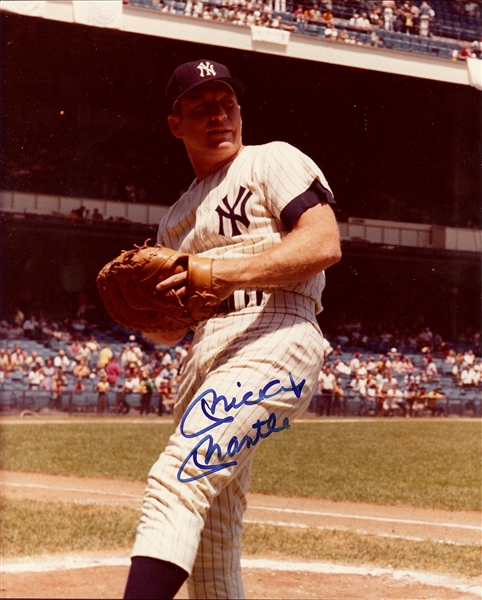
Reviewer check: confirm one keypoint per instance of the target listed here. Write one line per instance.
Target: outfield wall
(415, 235)
(62, 206)
(387, 233)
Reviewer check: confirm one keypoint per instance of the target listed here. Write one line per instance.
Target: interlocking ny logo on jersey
(206, 69)
(230, 215)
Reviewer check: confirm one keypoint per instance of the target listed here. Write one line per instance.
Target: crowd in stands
(73, 362)
(84, 215)
(348, 21)
(395, 383)
(121, 171)
(69, 359)
(380, 338)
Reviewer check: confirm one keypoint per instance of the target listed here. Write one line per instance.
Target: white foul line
(323, 568)
(68, 489)
(365, 518)
(359, 531)
(267, 508)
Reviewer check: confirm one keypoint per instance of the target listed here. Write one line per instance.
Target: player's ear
(174, 126)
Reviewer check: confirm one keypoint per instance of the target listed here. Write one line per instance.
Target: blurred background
(88, 165)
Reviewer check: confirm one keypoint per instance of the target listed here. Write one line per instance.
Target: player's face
(208, 120)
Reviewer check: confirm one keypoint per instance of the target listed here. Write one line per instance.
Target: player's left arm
(310, 247)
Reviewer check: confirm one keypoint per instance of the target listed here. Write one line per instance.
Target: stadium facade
(396, 133)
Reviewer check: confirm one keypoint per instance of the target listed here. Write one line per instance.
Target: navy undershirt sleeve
(315, 194)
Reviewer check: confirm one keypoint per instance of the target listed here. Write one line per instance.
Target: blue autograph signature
(207, 449)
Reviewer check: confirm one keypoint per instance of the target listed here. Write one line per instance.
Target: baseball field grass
(426, 463)
(356, 548)
(32, 528)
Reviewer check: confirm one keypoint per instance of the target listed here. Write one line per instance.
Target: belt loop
(238, 300)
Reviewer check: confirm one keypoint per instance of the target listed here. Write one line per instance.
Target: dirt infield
(262, 583)
(97, 575)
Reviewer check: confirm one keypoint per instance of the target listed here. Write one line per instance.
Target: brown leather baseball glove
(127, 286)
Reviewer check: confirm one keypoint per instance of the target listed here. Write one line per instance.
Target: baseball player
(263, 214)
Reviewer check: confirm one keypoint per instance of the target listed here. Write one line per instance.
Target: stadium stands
(450, 29)
(17, 396)
(451, 22)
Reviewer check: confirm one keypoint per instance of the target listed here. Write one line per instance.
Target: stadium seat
(312, 29)
(471, 399)
(79, 401)
(350, 402)
(91, 399)
(110, 401)
(455, 404)
(141, 3)
(14, 385)
(65, 400)
(27, 400)
(42, 399)
(342, 12)
(134, 400)
(415, 45)
(388, 43)
(401, 44)
(8, 400)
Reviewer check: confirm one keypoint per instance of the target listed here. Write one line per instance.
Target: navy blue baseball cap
(191, 74)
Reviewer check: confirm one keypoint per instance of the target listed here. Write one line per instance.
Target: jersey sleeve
(293, 183)
(160, 232)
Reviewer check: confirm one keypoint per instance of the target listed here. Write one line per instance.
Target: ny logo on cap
(206, 69)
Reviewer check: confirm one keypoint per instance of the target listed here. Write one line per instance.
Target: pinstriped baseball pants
(247, 376)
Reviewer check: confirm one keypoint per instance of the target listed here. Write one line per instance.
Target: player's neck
(203, 166)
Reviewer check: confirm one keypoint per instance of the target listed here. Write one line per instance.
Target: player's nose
(218, 111)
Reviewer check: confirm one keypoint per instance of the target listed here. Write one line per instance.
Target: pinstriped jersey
(248, 207)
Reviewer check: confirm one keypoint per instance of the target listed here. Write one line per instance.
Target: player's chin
(226, 145)
(223, 144)
(221, 138)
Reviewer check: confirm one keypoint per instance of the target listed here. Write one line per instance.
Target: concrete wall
(40, 204)
(388, 233)
(412, 235)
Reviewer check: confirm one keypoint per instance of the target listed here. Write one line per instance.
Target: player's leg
(209, 449)
(217, 569)
(153, 579)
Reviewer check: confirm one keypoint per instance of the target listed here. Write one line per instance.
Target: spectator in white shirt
(62, 361)
(431, 370)
(326, 387)
(363, 22)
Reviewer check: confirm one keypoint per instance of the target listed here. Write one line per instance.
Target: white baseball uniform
(251, 369)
